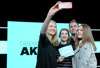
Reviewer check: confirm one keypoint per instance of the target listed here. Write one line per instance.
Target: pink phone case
(65, 5)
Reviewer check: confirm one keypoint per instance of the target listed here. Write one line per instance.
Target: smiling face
(73, 27)
(64, 35)
(80, 32)
(52, 29)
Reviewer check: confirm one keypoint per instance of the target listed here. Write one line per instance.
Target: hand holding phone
(65, 5)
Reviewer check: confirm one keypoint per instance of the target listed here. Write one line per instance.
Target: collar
(80, 41)
(77, 50)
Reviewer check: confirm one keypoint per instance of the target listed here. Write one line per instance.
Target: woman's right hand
(61, 58)
(51, 12)
(54, 9)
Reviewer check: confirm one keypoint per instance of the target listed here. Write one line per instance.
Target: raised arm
(54, 9)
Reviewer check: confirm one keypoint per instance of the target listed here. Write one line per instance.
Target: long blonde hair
(54, 39)
(87, 37)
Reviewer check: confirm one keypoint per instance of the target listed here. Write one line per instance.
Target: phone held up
(65, 5)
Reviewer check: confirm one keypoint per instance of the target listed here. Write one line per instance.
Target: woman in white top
(84, 54)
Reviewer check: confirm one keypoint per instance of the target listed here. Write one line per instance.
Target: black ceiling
(83, 11)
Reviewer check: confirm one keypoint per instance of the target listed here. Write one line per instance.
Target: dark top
(72, 42)
(46, 57)
(67, 63)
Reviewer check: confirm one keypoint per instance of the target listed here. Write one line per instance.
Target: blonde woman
(84, 54)
(48, 40)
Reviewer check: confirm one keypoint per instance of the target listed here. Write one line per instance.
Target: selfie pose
(84, 54)
(48, 40)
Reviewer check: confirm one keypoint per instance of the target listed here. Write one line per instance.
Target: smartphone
(65, 5)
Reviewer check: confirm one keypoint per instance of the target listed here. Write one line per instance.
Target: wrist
(50, 15)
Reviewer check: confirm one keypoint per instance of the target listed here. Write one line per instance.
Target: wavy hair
(87, 37)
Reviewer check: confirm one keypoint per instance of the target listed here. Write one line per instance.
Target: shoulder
(59, 46)
(87, 45)
(42, 35)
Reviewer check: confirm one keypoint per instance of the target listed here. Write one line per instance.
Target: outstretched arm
(54, 9)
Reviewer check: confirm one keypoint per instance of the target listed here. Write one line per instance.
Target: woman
(48, 40)
(84, 54)
(64, 61)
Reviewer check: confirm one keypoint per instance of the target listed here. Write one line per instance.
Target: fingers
(54, 9)
(61, 58)
(57, 3)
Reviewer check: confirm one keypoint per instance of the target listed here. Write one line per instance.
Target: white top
(80, 41)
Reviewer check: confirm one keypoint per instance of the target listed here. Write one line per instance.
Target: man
(73, 26)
